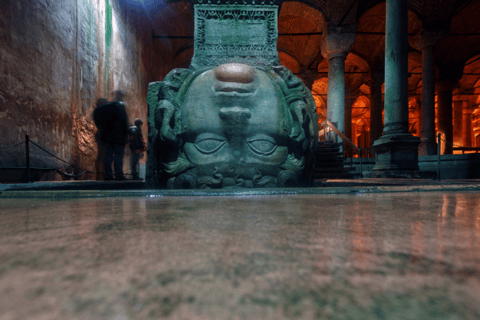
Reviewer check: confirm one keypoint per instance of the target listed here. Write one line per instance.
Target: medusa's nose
(235, 72)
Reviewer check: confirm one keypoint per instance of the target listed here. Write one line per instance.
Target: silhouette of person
(112, 120)
(137, 146)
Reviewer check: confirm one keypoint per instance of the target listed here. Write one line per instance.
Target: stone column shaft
(458, 122)
(445, 121)
(335, 47)
(336, 92)
(376, 108)
(396, 152)
(428, 146)
(396, 68)
(425, 41)
(468, 136)
(467, 128)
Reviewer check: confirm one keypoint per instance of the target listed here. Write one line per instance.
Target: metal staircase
(330, 162)
(330, 159)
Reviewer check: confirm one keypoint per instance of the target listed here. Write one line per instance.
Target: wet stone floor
(363, 256)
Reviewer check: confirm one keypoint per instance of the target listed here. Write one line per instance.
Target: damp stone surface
(338, 256)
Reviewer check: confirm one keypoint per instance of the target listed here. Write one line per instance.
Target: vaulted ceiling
(457, 19)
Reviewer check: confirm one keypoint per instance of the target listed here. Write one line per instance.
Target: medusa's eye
(209, 143)
(262, 144)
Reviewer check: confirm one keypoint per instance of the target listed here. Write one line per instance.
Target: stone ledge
(65, 194)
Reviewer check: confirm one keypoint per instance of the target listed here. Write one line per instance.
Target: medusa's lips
(234, 88)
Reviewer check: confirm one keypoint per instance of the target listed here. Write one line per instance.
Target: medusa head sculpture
(231, 126)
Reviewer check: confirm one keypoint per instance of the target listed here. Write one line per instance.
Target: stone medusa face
(234, 123)
(230, 126)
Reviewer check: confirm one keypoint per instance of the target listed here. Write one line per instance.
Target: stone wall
(57, 58)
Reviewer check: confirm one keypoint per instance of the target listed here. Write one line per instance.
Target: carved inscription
(235, 34)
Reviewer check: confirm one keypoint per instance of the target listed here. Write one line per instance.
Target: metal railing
(454, 148)
(463, 149)
(330, 132)
(28, 143)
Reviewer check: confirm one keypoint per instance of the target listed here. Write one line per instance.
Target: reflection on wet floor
(364, 256)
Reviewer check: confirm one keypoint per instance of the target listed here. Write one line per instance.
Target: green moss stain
(88, 34)
(90, 28)
(108, 40)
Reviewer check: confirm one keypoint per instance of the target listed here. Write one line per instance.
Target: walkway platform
(128, 188)
(363, 250)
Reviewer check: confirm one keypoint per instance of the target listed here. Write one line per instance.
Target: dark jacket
(111, 120)
(136, 140)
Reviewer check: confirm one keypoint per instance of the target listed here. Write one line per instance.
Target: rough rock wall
(56, 59)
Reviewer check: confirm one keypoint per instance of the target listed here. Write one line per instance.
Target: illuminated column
(355, 134)
(467, 125)
(445, 115)
(425, 42)
(418, 111)
(396, 151)
(458, 125)
(335, 47)
(350, 99)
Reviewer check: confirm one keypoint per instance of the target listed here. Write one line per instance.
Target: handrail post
(27, 155)
(439, 149)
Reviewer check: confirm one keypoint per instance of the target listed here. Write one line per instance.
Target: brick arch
(372, 19)
(289, 61)
(476, 114)
(319, 5)
(355, 63)
(476, 85)
(458, 50)
(298, 17)
(173, 19)
(472, 65)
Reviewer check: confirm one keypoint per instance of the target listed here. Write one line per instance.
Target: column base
(395, 153)
(427, 148)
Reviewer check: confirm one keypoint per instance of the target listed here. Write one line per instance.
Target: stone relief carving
(231, 126)
(235, 33)
(235, 118)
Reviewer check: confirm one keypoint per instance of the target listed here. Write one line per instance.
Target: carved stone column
(425, 42)
(335, 47)
(445, 114)
(396, 152)
(376, 104)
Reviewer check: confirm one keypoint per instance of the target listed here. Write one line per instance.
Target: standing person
(137, 147)
(113, 119)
